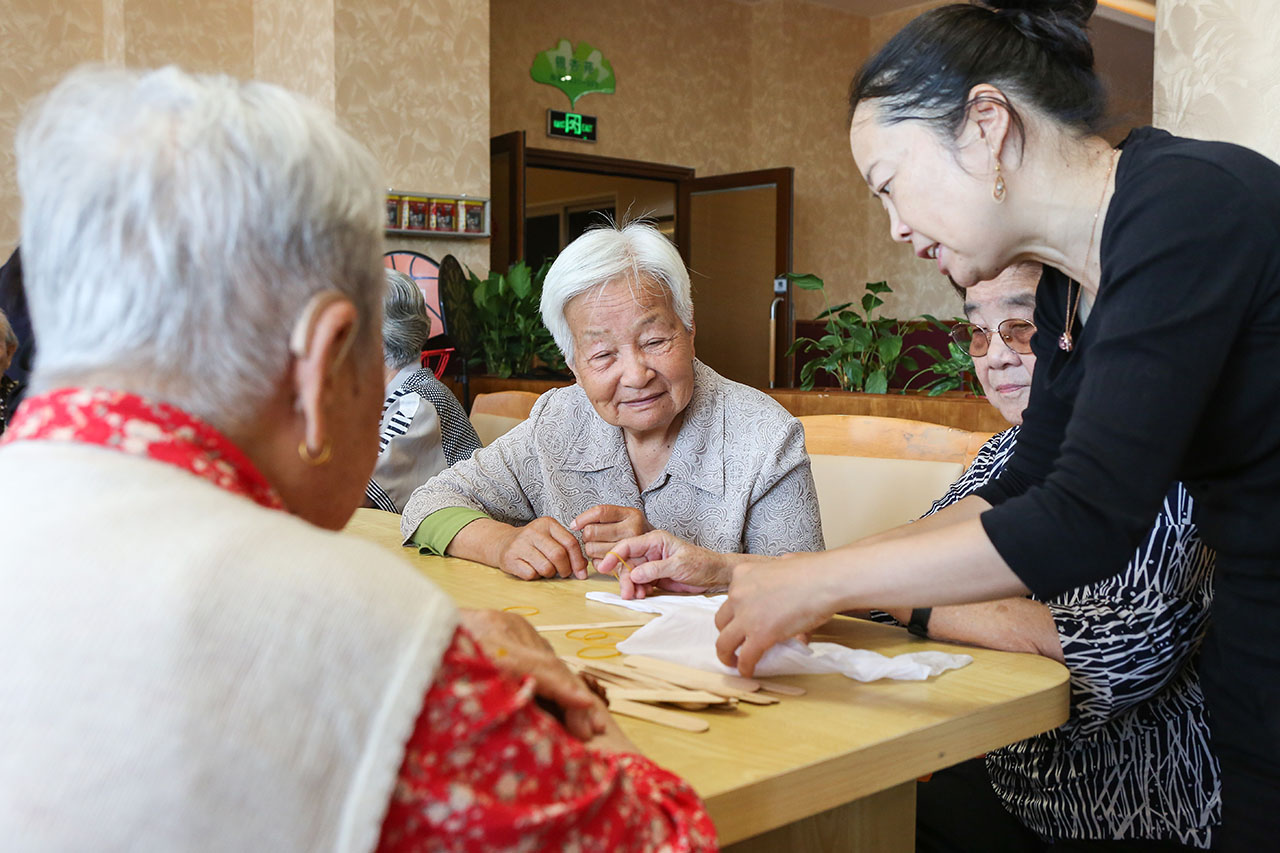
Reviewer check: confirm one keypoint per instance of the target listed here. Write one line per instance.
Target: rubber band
(587, 634)
(521, 610)
(620, 560)
(598, 652)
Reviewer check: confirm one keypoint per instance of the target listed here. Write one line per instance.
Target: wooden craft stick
(680, 695)
(784, 689)
(686, 675)
(613, 669)
(661, 716)
(623, 623)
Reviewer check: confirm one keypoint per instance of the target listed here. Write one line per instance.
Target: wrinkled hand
(542, 549)
(606, 525)
(659, 560)
(518, 650)
(768, 602)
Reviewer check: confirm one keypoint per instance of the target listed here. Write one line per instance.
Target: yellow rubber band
(587, 634)
(620, 560)
(521, 610)
(598, 652)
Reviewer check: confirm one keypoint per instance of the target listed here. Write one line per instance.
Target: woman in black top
(975, 128)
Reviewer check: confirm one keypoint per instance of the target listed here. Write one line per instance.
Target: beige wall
(408, 78)
(1218, 71)
(718, 85)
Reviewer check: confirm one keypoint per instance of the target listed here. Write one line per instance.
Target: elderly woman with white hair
(648, 437)
(195, 658)
(424, 428)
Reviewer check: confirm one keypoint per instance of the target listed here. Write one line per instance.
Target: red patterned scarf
(129, 423)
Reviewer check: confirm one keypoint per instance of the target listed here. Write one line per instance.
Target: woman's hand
(767, 604)
(659, 560)
(518, 650)
(606, 525)
(542, 549)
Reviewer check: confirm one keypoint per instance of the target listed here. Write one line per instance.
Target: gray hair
(635, 252)
(7, 337)
(405, 324)
(175, 225)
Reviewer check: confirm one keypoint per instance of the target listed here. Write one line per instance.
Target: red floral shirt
(485, 768)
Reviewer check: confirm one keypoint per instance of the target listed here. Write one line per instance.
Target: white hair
(405, 324)
(636, 253)
(175, 225)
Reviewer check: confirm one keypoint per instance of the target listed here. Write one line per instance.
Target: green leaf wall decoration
(576, 71)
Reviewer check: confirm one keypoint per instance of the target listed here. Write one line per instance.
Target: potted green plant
(510, 339)
(861, 350)
(954, 372)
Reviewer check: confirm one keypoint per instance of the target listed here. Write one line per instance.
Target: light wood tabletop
(833, 769)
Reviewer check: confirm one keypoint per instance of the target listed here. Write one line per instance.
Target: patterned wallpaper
(1217, 72)
(208, 36)
(36, 49)
(412, 84)
(293, 46)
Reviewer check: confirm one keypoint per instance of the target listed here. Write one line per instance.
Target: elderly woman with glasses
(424, 428)
(195, 658)
(648, 437)
(1138, 722)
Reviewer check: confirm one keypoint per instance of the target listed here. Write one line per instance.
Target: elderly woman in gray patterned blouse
(648, 438)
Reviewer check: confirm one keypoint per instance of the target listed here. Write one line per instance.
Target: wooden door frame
(784, 179)
(513, 145)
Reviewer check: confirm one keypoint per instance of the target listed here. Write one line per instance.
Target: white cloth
(186, 670)
(685, 633)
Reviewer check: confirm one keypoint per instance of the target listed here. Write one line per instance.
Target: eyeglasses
(1014, 332)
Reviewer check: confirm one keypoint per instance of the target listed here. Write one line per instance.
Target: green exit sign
(571, 126)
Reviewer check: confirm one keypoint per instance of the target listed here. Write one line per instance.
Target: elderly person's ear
(321, 343)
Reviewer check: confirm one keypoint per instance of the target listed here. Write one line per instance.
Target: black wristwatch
(919, 624)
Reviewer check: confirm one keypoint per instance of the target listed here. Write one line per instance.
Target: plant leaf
(879, 287)
(877, 383)
(889, 347)
(805, 281)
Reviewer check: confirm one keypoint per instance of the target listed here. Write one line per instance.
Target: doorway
(733, 231)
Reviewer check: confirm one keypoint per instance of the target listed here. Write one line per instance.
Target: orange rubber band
(587, 634)
(595, 652)
(521, 610)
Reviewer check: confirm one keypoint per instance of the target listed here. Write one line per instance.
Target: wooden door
(506, 192)
(735, 233)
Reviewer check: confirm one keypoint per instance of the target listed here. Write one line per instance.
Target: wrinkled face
(937, 195)
(1004, 374)
(632, 355)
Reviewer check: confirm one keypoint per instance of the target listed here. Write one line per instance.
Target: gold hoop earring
(319, 459)
(998, 190)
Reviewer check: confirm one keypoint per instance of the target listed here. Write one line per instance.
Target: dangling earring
(997, 191)
(320, 458)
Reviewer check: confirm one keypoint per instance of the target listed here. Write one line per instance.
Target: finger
(614, 532)
(577, 564)
(678, 586)
(535, 555)
(555, 557)
(639, 548)
(654, 570)
(608, 564)
(554, 681)
(596, 551)
(521, 568)
(727, 643)
(601, 512)
(749, 654)
(626, 588)
(725, 614)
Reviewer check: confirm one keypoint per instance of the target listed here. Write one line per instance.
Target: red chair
(426, 273)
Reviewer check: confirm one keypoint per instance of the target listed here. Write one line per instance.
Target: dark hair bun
(1057, 25)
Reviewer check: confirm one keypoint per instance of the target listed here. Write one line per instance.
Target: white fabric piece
(185, 670)
(685, 633)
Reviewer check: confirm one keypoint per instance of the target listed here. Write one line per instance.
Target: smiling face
(938, 195)
(632, 355)
(1004, 374)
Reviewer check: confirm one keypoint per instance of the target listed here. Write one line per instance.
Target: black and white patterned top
(1133, 761)
(424, 430)
(738, 480)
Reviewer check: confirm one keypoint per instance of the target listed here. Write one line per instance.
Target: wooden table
(832, 770)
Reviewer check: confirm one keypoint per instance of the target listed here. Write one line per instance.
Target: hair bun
(1057, 25)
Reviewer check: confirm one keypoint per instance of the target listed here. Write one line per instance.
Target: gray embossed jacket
(738, 480)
